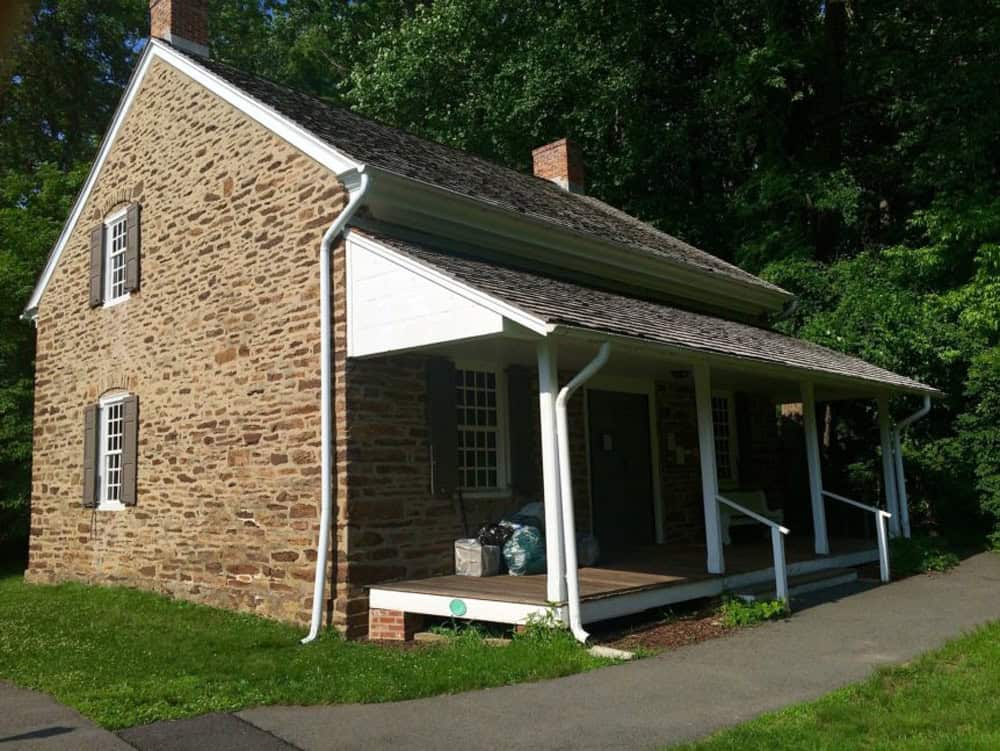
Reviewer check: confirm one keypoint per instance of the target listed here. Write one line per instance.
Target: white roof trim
(424, 271)
(278, 124)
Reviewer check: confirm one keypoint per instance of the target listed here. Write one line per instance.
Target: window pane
(476, 398)
(116, 241)
(723, 437)
(112, 424)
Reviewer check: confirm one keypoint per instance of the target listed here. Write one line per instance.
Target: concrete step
(800, 585)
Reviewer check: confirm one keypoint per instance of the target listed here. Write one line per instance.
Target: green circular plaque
(457, 607)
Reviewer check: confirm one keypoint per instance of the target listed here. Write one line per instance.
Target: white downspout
(326, 412)
(904, 502)
(566, 489)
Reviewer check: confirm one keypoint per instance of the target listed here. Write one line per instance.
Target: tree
(67, 76)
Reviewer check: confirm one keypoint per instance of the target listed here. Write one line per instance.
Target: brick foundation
(392, 625)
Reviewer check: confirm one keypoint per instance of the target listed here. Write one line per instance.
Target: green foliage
(943, 700)
(125, 657)
(920, 555)
(67, 75)
(994, 541)
(32, 207)
(545, 629)
(737, 613)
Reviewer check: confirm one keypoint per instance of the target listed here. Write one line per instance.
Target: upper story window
(724, 424)
(115, 244)
(481, 430)
(114, 257)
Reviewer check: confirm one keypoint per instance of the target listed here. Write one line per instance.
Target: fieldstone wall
(221, 345)
(680, 470)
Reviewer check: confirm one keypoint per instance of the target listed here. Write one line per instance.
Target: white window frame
(503, 488)
(119, 216)
(107, 401)
(733, 481)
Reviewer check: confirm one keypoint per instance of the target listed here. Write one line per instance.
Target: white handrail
(753, 515)
(777, 547)
(880, 530)
(860, 505)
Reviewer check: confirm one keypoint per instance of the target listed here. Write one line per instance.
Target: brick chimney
(183, 23)
(560, 162)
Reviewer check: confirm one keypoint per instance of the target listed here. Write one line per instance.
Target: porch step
(800, 585)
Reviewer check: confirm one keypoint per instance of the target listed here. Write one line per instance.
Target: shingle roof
(558, 301)
(402, 153)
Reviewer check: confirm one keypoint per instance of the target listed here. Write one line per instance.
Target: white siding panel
(392, 308)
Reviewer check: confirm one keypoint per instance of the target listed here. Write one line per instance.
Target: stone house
(287, 355)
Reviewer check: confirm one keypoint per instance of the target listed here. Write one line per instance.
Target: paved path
(30, 720)
(646, 704)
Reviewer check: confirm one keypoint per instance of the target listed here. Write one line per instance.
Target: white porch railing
(880, 530)
(778, 533)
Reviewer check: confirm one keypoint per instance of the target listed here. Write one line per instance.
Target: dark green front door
(621, 487)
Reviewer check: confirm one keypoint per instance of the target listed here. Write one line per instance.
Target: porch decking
(649, 577)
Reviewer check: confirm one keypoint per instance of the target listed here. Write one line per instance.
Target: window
(112, 437)
(116, 242)
(481, 422)
(724, 424)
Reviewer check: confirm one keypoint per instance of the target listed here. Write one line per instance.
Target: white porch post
(709, 477)
(888, 464)
(548, 390)
(815, 470)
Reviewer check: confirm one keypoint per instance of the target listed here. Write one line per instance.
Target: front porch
(650, 577)
(648, 426)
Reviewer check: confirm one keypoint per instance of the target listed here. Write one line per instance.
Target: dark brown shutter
(97, 266)
(90, 438)
(130, 448)
(442, 426)
(522, 417)
(132, 240)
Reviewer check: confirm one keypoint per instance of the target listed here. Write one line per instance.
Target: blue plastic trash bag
(524, 552)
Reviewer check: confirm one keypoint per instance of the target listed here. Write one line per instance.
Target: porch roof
(560, 303)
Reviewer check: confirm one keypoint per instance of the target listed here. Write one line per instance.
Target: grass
(947, 699)
(124, 657)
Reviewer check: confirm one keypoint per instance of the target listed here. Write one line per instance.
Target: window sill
(486, 493)
(111, 506)
(116, 301)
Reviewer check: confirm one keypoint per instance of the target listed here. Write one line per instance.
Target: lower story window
(112, 434)
(480, 426)
(724, 426)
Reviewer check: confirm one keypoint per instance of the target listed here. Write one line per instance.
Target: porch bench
(754, 500)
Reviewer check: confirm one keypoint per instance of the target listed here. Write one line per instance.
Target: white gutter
(326, 387)
(566, 489)
(904, 505)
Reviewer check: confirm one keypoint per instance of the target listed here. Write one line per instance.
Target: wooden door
(620, 469)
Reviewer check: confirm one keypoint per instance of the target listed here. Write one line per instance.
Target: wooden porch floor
(652, 567)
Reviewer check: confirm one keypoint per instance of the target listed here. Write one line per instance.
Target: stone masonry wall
(221, 345)
(680, 471)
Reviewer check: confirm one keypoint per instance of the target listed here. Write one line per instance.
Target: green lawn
(947, 699)
(124, 657)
